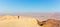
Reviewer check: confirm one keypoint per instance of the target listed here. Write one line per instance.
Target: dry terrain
(21, 21)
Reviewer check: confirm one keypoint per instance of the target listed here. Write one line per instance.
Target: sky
(19, 6)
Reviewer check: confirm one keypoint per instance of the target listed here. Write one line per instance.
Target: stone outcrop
(51, 23)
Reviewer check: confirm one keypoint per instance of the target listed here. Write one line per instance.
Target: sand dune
(11, 21)
(8, 17)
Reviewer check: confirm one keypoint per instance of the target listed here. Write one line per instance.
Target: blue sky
(18, 6)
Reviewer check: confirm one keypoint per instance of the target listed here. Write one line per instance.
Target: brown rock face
(52, 23)
(41, 23)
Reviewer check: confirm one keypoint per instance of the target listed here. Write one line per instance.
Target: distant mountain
(41, 15)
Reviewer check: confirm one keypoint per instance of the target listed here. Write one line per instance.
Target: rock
(52, 23)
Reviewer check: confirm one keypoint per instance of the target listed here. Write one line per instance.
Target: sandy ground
(9, 21)
(14, 21)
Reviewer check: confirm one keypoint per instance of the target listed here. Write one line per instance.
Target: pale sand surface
(9, 21)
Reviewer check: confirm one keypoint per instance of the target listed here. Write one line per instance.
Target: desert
(22, 21)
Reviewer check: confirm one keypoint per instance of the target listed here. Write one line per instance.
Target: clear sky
(17, 6)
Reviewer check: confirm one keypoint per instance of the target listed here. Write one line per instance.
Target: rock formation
(51, 23)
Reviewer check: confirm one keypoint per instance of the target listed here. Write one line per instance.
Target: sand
(12, 21)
